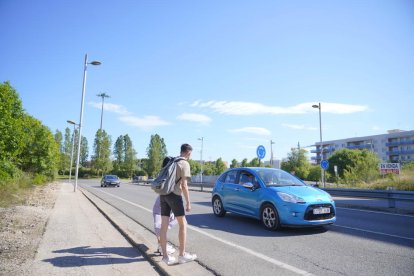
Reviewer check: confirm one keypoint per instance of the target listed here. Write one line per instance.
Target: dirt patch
(22, 227)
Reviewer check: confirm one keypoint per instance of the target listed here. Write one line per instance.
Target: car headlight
(290, 198)
(330, 197)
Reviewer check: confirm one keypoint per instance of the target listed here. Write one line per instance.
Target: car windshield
(275, 177)
(111, 177)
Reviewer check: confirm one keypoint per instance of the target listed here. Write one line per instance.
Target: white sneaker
(170, 260)
(170, 249)
(187, 257)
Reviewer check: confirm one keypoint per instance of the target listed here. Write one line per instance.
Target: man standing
(174, 202)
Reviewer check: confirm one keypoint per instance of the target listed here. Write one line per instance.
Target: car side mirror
(249, 185)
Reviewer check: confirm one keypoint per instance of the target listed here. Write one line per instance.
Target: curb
(143, 239)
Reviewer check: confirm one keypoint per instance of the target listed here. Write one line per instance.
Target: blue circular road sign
(325, 164)
(261, 152)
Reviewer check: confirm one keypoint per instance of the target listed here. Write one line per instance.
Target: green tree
(11, 128)
(298, 163)
(59, 141)
(209, 168)
(101, 159)
(220, 167)
(195, 167)
(118, 153)
(156, 152)
(40, 154)
(314, 173)
(255, 162)
(244, 163)
(130, 163)
(66, 151)
(25, 144)
(234, 163)
(354, 165)
(84, 152)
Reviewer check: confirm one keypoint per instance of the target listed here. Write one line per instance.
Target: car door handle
(237, 189)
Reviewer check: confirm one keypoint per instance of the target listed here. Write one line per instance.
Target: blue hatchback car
(273, 196)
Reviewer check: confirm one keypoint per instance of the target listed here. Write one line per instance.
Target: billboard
(389, 168)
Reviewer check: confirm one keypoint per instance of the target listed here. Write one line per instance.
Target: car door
(228, 191)
(247, 199)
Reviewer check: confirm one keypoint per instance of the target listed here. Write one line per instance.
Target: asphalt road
(361, 242)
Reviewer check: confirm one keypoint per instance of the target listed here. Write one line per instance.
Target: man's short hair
(186, 148)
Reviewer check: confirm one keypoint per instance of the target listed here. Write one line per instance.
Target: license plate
(319, 211)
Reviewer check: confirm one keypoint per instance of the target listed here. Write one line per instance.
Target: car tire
(117, 186)
(270, 217)
(218, 208)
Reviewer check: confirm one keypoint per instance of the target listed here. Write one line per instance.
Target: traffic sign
(325, 164)
(261, 152)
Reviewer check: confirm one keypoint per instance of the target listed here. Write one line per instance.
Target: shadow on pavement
(240, 225)
(89, 256)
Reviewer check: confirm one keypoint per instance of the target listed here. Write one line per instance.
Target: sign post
(261, 153)
(324, 166)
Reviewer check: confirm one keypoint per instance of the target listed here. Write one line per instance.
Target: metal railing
(391, 195)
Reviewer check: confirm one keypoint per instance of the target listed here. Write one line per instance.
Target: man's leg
(182, 233)
(163, 235)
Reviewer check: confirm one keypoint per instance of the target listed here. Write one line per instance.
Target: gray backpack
(166, 180)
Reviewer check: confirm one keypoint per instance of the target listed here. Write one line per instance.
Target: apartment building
(396, 146)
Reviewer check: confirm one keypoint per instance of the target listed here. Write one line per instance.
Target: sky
(237, 74)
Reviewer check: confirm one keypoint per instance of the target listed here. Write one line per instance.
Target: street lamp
(103, 95)
(318, 106)
(271, 152)
(85, 66)
(201, 161)
(73, 146)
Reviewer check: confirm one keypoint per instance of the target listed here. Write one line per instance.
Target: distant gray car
(110, 180)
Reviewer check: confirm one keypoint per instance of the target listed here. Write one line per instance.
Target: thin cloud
(115, 108)
(292, 126)
(250, 108)
(146, 123)
(192, 117)
(252, 130)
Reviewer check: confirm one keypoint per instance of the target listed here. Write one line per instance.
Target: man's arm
(184, 188)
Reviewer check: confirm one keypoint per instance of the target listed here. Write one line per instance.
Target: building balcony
(399, 152)
(324, 150)
(364, 146)
(406, 142)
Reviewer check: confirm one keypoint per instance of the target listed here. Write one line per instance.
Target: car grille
(309, 215)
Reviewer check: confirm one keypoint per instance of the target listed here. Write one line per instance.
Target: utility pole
(103, 96)
(271, 152)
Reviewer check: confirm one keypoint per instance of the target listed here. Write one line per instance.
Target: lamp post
(318, 106)
(73, 146)
(271, 152)
(85, 66)
(103, 96)
(201, 161)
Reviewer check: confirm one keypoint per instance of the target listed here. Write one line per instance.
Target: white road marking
(247, 250)
(373, 232)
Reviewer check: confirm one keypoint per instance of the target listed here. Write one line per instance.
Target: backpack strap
(177, 159)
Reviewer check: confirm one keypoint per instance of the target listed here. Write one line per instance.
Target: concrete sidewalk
(79, 240)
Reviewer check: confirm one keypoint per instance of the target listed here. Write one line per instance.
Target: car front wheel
(218, 208)
(270, 218)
